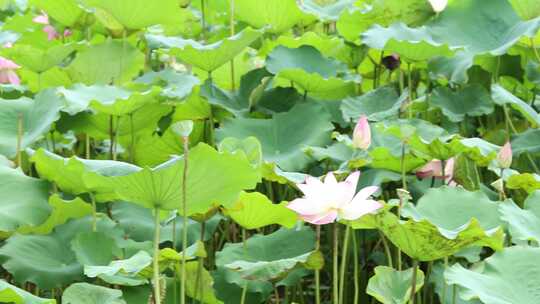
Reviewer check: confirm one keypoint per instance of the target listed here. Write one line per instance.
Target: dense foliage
(270, 151)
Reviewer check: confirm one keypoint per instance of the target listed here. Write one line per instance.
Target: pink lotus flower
(324, 202)
(41, 19)
(434, 169)
(48, 28)
(438, 5)
(504, 157)
(7, 71)
(362, 134)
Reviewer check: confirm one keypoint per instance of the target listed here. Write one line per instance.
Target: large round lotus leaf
(526, 142)
(254, 210)
(275, 16)
(441, 287)
(353, 22)
(37, 116)
(138, 224)
(249, 146)
(84, 293)
(509, 276)
(471, 101)
(130, 105)
(331, 88)
(453, 69)
(67, 12)
(412, 44)
(13, 294)
(69, 174)
(526, 9)
(260, 261)
(137, 14)
(23, 201)
(501, 97)
(285, 135)
(378, 104)
(326, 12)
(111, 61)
(501, 27)
(161, 187)
(524, 224)
(47, 260)
(390, 286)
(94, 248)
(177, 85)
(452, 208)
(479, 150)
(207, 57)
(39, 58)
(306, 58)
(78, 97)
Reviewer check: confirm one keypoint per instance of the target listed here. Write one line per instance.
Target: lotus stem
(335, 283)
(536, 54)
(185, 140)
(443, 300)
(386, 250)
(87, 146)
(19, 139)
(157, 289)
(244, 246)
(94, 212)
(200, 285)
(132, 133)
(344, 263)
(413, 282)
(318, 271)
(233, 85)
(355, 269)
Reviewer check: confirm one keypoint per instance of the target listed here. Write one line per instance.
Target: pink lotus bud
(67, 33)
(362, 134)
(504, 158)
(7, 71)
(51, 32)
(438, 5)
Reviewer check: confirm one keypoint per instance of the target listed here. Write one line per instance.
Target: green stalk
(19, 139)
(200, 285)
(232, 34)
(344, 263)
(413, 282)
(409, 80)
(510, 125)
(443, 300)
(132, 145)
(203, 19)
(318, 271)
(157, 289)
(185, 140)
(111, 137)
(386, 250)
(244, 246)
(87, 146)
(335, 291)
(355, 269)
(94, 212)
(536, 54)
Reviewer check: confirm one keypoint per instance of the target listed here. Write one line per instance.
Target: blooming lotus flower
(362, 134)
(504, 157)
(328, 201)
(7, 71)
(434, 169)
(438, 5)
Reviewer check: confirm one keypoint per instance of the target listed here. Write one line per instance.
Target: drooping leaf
(523, 223)
(84, 293)
(501, 97)
(13, 294)
(122, 272)
(327, 12)
(377, 105)
(390, 286)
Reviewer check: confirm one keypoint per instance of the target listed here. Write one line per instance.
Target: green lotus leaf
(40, 58)
(122, 272)
(452, 293)
(47, 260)
(327, 12)
(67, 12)
(62, 211)
(24, 200)
(331, 88)
(259, 261)
(490, 284)
(453, 69)
(109, 62)
(526, 142)
(526, 9)
(250, 146)
(94, 248)
(13, 294)
(471, 101)
(501, 97)
(254, 210)
(78, 97)
(177, 85)
(69, 174)
(526, 181)
(138, 224)
(84, 293)
(275, 16)
(161, 187)
(458, 26)
(354, 21)
(52, 78)
(206, 57)
(477, 149)
(305, 58)
(36, 116)
(138, 14)
(523, 223)
(390, 286)
(232, 293)
(412, 44)
(205, 284)
(284, 135)
(377, 105)
(119, 107)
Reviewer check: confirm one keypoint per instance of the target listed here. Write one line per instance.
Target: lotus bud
(438, 5)
(504, 158)
(182, 128)
(362, 134)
